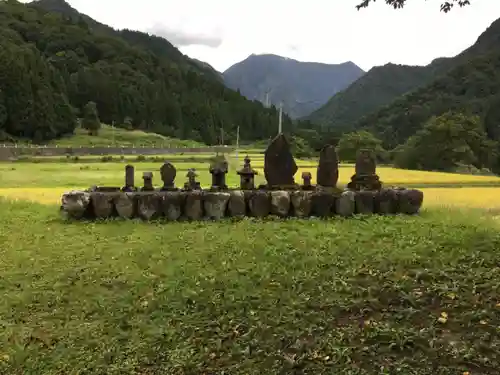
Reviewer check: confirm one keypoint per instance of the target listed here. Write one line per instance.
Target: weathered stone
(247, 175)
(345, 204)
(364, 202)
(193, 205)
(74, 204)
(365, 177)
(306, 181)
(280, 203)
(218, 170)
(125, 205)
(279, 164)
(328, 167)
(192, 184)
(168, 173)
(323, 203)
(129, 178)
(149, 206)
(237, 206)
(410, 201)
(215, 204)
(301, 203)
(148, 181)
(102, 204)
(386, 202)
(259, 203)
(172, 204)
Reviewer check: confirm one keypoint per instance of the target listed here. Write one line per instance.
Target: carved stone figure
(168, 173)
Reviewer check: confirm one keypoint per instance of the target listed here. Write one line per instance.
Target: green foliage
(51, 60)
(90, 119)
(265, 297)
(351, 143)
(447, 142)
(446, 6)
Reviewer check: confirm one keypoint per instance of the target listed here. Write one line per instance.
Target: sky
(224, 32)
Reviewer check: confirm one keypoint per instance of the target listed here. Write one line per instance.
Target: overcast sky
(223, 32)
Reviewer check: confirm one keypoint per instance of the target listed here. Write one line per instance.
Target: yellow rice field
(470, 197)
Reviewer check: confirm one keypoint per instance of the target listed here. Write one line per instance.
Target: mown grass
(378, 295)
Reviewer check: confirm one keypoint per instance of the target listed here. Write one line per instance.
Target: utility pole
(222, 136)
(113, 131)
(280, 123)
(237, 142)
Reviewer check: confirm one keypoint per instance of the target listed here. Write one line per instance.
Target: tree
(91, 120)
(447, 142)
(350, 143)
(398, 4)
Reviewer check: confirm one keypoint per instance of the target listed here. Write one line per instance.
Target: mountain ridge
(300, 86)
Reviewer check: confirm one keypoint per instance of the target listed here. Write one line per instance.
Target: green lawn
(378, 295)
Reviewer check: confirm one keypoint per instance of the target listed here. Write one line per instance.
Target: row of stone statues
(279, 170)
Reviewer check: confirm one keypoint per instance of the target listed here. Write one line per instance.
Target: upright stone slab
(279, 164)
(172, 204)
(237, 206)
(280, 203)
(410, 201)
(215, 204)
(328, 167)
(365, 202)
(193, 206)
(125, 205)
(259, 203)
(346, 204)
(102, 204)
(148, 181)
(168, 173)
(301, 203)
(149, 205)
(75, 204)
(129, 179)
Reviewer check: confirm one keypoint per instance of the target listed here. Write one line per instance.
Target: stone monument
(218, 170)
(192, 184)
(247, 175)
(148, 181)
(168, 173)
(328, 167)
(306, 178)
(365, 177)
(279, 164)
(129, 179)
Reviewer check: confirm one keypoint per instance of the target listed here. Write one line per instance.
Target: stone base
(215, 205)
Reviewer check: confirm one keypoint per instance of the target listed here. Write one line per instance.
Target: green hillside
(381, 85)
(52, 64)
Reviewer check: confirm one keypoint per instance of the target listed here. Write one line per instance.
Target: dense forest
(383, 84)
(53, 64)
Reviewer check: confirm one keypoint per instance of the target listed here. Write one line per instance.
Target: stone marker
(386, 202)
(168, 173)
(149, 206)
(148, 181)
(306, 178)
(346, 204)
(365, 177)
(192, 184)
(74, 204)
(301, 203)
(172, 204)
(193, 206)
(322, 203)
(129, 179)
(328, 167)
(237, 206)
(259, 203)
(280, 203)
(247, 175)
(125, 205)
(279, 164)
(365, 202)
(218, 170)
(215, 204)
(102, 204)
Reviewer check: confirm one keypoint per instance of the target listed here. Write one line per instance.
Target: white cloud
(222, 32)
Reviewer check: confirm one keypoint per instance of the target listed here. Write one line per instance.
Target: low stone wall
(215, 205)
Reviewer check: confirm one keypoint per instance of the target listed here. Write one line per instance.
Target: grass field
(362, 296)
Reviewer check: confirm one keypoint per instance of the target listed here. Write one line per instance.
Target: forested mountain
(471, 88)
(381, 85)
(53, 64)
(302, 86)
